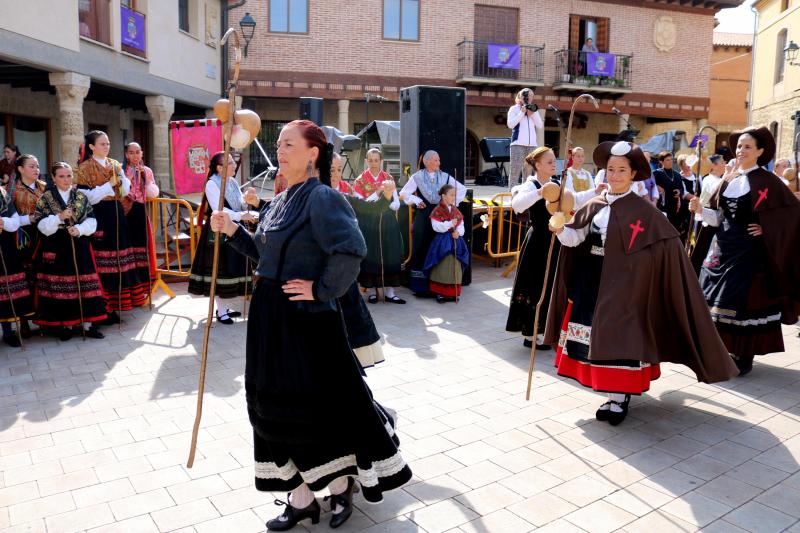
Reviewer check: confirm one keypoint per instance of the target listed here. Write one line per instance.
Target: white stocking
(220, 310)
(301, 497)
(389, 292)
(616, 397)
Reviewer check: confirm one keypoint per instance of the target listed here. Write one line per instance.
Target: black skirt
(234, 275)
(13, 282)
(382, 265)
(313, 416)
(142, 242)
(115, 259)
(60, 299)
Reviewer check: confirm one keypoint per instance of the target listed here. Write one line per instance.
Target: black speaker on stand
(311, 109)
(434, 118)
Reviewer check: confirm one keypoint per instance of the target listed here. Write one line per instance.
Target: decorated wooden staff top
(239, 128)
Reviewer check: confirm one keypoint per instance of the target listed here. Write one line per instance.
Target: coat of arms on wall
(665, 33)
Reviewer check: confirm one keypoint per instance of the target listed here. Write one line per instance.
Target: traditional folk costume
(627, 299)
(234, 276)
(361, 331)
(676, 209)
(382, 265)
(750, 282)
(298, 356)
(8, 169)
(427, 184)
(16, 302)
(447, 257)
(64, 297)
(344, 187)
(143, 187)
(704, 233)
(25, 198)
(114, 256)
(582, 185)
(532, 261)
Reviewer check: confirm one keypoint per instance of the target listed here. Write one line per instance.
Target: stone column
(540, 131)
(160, 108)
(71, 89)
(344, 116)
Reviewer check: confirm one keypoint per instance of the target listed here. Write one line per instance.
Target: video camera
(527, 104)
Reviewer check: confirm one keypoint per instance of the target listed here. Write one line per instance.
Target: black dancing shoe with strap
(615, 418)
(344, 500)
(292, 515)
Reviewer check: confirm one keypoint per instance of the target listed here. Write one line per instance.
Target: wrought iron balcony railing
(604, 72)
(494, 64)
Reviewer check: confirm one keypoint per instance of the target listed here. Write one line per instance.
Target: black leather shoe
(615, 418)
(12, 340)
(234, 314)
(527, 343)
(111, 319)
(291, 516)
(224, 318)
(345, 500)
(94, 333)
(602, 414)
(744, 366)
(65, 334)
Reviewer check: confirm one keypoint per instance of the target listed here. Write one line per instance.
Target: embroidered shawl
(51, 203)
(91, 174)
(366, 183)
(444, 212)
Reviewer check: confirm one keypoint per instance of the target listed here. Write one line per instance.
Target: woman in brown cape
(750, 275)
(626, 297)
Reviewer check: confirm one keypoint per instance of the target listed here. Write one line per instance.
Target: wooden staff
(78, 281)
(553, 240)
(226, 135)
(11, 300)
(455, 241)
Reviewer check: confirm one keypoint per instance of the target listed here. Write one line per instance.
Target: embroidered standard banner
(504, 56)
(132, 33)
(192, 144)
(600, 64)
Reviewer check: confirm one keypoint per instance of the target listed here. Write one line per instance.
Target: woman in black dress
(533, 256)
(233, 273)
(309, 249)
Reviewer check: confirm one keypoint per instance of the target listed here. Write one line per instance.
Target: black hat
(632, 152)
(714, 158)
(763, 138)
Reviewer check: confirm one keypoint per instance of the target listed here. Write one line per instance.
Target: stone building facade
(124, 66)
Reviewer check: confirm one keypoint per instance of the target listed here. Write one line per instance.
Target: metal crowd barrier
(505, 232)
(176, 232)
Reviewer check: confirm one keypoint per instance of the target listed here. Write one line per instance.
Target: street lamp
(248, 27)
(791, 52)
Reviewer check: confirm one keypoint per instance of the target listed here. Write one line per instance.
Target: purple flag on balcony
(504, 56)
(132, 28)
(599, 64)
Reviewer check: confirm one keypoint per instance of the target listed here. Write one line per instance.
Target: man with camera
(523, 120)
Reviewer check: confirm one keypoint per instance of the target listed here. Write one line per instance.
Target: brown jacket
(778, 213)
(649, 306)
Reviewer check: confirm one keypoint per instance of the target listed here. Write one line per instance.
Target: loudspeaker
(434, 118)
(496, 149)
(311, 109)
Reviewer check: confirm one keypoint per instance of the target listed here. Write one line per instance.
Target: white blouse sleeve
(525, 195)
(712, 217)
(11, 224)
(49, 225)
(573, 237)
(96, 194)
(460, 229)
(212, 195)
(126, 186)
(25, 220)
(87, 227)
(395, 204)
(407, 193)
(441, 226)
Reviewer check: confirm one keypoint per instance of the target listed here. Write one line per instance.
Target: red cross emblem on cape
(762, 195)
(636, 229)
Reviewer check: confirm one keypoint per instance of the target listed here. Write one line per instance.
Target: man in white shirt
(523, 121)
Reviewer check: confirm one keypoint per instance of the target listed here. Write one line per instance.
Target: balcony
(483, 63)
(578, 71)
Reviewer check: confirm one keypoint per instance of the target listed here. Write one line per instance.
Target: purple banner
(132, 28)
(504, 56)
(599, 64)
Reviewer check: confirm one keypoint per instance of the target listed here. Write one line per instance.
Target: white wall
(51, 21)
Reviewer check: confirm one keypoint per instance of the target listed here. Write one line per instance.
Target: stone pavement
(94, 435)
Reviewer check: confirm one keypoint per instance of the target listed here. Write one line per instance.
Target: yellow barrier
(505, 233)
(174, 225)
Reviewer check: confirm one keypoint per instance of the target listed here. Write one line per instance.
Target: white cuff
(49, 225)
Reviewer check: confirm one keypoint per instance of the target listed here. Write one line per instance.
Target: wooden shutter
(602, 34)
(574, 32)
(496, 24)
